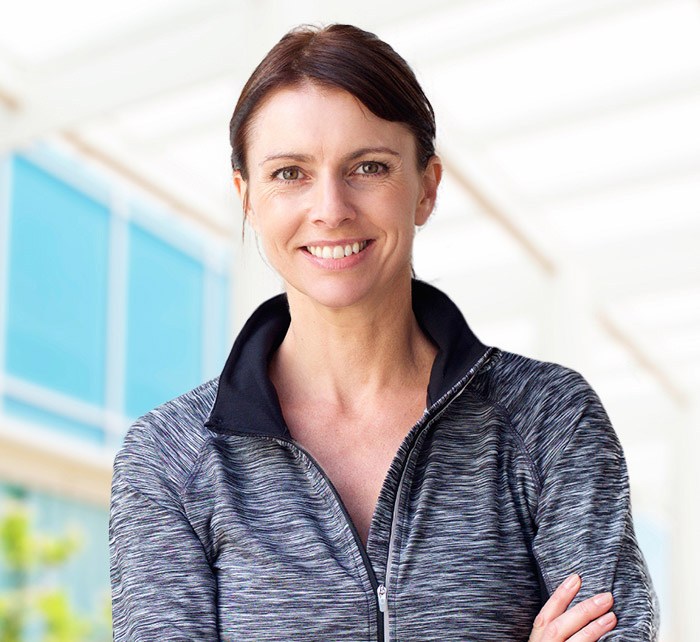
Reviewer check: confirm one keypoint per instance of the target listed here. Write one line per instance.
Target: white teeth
(336, 251)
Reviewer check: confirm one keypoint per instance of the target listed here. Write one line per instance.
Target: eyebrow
(302, 158)
(372, 150)
(305, 158)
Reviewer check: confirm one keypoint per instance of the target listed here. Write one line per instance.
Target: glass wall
(108, 311)
(109, 305)
(164, 326)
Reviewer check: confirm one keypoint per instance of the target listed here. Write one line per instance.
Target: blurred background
(567, 229)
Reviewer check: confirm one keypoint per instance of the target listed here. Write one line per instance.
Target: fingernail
(571, 581)
(603, 598)
(607, 619)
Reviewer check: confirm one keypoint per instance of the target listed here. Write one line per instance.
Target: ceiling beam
(117, 77)
(209, 40)
(651, 172)
(620, 269)
(8, 101)
(206, 215)
(685, 86)
(644, 360)
(517, 28)
(468, 172)
(9, 89)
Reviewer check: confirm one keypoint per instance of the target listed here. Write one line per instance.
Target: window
(164, 329)
(109, 311)
(57, 286)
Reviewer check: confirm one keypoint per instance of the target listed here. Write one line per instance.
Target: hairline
(310, 81)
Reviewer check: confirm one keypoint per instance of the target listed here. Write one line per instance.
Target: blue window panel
(217, 312)
(31, 414)
(57, 303)
(164, 325)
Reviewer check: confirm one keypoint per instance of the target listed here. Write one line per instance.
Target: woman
(364, 468)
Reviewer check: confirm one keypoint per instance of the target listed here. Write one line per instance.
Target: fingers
(575, 619)
(585, 622)
(557, 603)
(596, 629)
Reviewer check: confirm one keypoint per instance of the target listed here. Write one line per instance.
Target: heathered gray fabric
(507, 485)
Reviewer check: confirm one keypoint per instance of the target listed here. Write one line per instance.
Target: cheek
(395, 207)
(269, 211)
(276, 227)
(273, 197)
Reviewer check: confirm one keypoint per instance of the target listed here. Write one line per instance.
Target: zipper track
(358, 540)
(436, 409)
(453, 393)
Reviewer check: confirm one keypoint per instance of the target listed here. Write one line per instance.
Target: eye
(288, 174)
(369, 168)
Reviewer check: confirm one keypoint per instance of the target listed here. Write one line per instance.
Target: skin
(588, 620)
(353, 341)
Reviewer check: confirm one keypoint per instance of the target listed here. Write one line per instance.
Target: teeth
(336, 251)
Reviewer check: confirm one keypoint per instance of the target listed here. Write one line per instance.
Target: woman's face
(335, 193)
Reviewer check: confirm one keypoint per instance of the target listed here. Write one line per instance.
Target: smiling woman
(335, 188)
(365, 468)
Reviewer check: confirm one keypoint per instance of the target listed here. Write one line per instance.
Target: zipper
(381, 588)
(358, 540)
(381, 598)
(453, 393)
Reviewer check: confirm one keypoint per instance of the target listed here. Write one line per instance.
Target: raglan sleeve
(584, 519)
(163, 587)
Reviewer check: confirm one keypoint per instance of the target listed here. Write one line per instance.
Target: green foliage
(26, 558)
(16, 540)
(61, 624)
(11, 619)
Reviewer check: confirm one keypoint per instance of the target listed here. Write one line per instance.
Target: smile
(336, 251)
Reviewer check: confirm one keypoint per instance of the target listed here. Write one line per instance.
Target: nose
(332, 206)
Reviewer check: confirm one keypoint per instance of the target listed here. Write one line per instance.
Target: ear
(432, 175)
(242, 190)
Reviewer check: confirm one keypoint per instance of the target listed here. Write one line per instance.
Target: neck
(349, 356)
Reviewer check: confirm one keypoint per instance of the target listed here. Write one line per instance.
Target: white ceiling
(569, 222)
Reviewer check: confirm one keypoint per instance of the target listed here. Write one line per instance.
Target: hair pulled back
(345, 57)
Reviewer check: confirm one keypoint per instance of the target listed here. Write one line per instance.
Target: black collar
(247, 402)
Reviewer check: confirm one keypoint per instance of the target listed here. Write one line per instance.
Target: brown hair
(345, 57)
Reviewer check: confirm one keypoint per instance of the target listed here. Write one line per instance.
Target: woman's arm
(584, 521)
(163, 587)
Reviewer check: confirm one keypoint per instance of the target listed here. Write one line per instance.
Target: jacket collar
(246, 400)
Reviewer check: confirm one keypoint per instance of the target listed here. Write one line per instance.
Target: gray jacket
(223, 528)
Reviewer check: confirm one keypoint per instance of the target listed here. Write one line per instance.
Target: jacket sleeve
(163, 587)
(584, 524)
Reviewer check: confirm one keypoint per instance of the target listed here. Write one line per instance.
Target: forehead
(308, 116)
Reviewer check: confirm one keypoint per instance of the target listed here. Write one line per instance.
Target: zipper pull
(381, 597)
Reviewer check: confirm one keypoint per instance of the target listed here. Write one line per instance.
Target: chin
(335, 296)
(337, 293)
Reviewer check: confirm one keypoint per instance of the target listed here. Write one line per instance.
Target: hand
(585, 622)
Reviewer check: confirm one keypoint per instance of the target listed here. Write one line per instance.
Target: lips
(338, 251)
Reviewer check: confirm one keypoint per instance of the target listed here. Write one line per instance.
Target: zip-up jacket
(223, 528)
